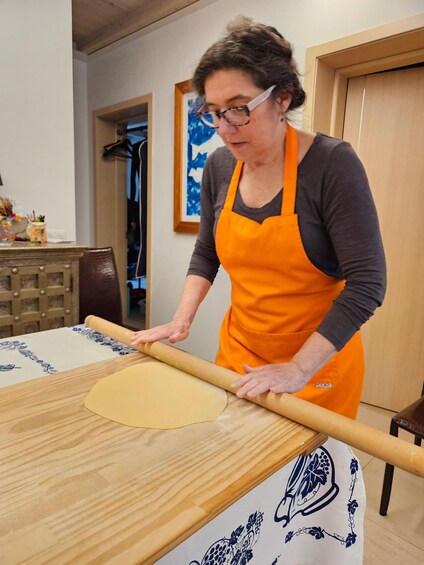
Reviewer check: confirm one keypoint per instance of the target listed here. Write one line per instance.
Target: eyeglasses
(236, 116)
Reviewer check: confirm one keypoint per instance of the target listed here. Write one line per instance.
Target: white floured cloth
(28, 356)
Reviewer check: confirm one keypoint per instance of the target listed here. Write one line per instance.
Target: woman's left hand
(279, 377)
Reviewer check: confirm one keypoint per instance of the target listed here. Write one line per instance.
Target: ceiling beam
(149, 12)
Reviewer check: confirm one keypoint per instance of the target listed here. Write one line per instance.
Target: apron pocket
(271, 348)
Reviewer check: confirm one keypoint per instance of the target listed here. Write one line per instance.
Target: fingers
(173, 331)
(253, 383)
(250, 369)
(280, 387)
(277, 378)
(148, 336)
(254, 387)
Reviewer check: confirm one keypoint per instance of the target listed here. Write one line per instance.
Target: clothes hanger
(122, 148)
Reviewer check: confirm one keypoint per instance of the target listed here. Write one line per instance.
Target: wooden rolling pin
(378, 444)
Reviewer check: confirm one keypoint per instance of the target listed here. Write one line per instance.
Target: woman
(290, 216)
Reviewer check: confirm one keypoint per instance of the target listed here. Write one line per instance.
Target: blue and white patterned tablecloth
(310, 512)
(28, 356)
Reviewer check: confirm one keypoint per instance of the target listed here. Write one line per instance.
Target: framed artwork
(193, 142)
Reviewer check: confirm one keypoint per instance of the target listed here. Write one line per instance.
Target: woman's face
(262, 138)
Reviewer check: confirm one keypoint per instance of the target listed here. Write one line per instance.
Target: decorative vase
(6, 233)
(37, 232)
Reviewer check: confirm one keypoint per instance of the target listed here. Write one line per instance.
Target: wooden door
(384, 122)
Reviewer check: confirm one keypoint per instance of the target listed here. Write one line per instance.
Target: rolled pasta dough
(155, 395)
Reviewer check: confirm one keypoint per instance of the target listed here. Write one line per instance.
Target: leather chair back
(99, 286)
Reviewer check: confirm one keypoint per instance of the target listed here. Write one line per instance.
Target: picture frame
(193, 142)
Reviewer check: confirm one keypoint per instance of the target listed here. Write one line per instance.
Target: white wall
(156, 61)
(83, 163)
(36, 124)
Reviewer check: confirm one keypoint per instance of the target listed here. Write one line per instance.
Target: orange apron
(278, 297)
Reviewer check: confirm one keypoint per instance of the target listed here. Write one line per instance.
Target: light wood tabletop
(77, 488)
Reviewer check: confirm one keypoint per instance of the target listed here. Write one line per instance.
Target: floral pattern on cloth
(311, 513)
(22, 348)
(236, 549)
(101, 339)
(40, 354)
(8, 367)
(312, 486)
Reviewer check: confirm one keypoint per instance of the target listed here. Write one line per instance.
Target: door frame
(110, 192)
(329, 66)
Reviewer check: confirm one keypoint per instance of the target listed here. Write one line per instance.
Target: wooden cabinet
(39, 287)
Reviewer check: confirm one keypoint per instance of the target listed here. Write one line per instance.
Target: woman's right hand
(174, 331)
(195, 290)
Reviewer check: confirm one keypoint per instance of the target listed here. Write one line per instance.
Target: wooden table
(76, 488)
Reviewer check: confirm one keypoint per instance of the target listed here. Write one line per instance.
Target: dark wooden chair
(410, 419)
(99, 286)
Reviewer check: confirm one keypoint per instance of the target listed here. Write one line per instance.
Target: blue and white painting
(198, 143)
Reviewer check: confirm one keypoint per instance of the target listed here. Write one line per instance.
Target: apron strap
(290, 173)
(290, 176)
(232, 189)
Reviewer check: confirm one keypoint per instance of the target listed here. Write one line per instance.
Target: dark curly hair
(258, 50)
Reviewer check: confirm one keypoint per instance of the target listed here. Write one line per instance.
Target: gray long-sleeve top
(338, 226)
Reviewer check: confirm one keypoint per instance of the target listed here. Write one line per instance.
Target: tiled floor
(397, 538)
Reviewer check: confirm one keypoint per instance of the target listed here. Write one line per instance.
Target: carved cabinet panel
(39, 287)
